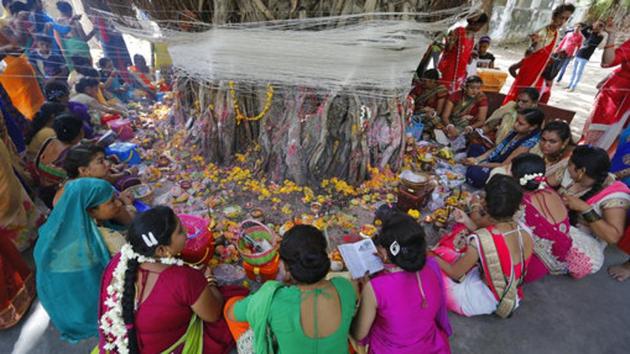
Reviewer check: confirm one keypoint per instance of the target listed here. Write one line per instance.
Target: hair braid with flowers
(128, 304)
(147, 232)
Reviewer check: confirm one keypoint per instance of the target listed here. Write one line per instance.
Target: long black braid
(596, 163)
(161, 222)
(128, 304)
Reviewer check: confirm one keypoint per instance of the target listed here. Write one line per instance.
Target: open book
(360, 258)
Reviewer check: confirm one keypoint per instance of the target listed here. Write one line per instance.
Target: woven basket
(257, 231)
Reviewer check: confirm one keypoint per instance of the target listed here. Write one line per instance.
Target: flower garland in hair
(111, 322)
(537, 177)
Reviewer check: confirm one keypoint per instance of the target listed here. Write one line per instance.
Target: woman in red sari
(151, 302)
(458, 50)
(531, 67)
(612, 108)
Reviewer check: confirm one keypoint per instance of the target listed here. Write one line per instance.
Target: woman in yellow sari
(18, 216)
(17, 231)
(17, 284)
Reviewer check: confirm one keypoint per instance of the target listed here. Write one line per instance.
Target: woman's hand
(126, 197)
(575, 203)
(469, 161)
(428, 110)
(451, 132)
(462, 218)
(514, 70)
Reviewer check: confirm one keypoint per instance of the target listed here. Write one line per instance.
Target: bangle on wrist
(591, 216)
(609, 46)
(450, 126)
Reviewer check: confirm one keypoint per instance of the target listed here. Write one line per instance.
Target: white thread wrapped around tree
(324, 59)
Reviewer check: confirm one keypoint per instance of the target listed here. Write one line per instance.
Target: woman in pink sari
(531, 67)
(598, 205)
(153, 299)
(612, 108)
(546, 216)
(458, 50)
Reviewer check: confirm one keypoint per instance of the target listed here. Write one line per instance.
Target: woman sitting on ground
(41, 129)
(548, 219)
(498, 241)
(429, 94)
(89, 161)
(87, 94)
(49, 159)
(71, 254)
(58, 92)
(597, 203)
(555, 147)
(142, 77)
(465, 110)
(501, 121)
(111, 80)
(394, 317)
(160, 304)
(524, 136)
(308, 315)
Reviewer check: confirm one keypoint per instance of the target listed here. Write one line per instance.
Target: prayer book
(360, 258)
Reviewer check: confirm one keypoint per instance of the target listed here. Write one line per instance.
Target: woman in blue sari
(72, 253)
(524, 136)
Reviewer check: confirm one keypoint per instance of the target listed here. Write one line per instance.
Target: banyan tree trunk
(305, 136)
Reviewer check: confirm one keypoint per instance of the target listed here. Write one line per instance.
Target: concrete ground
(558, 314)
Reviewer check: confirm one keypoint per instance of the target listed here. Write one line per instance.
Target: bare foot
(620, 272)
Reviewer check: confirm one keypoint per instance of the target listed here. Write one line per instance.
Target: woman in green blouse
(305, 314)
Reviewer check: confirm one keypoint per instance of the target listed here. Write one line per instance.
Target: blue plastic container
(415, 128)
(126, 152)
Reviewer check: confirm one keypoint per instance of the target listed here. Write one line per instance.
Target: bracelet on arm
(609, 46)
(591, 216)
(212, 281)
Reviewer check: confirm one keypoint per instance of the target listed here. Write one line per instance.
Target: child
(111, 80)
(48, 64)
(89, 161)
(485, 59)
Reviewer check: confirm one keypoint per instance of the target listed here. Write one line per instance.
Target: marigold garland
(239, 115)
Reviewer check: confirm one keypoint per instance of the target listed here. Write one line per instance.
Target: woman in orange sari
(531, 67)
(612, 108)
(458, 50)
(141, 75)
(18, 77)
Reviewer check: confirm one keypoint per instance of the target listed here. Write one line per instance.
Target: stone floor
(558, 314)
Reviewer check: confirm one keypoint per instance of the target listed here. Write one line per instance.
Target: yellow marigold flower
(414, 213)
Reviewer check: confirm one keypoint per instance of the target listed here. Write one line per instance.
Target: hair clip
(394, 248)
(149, 239)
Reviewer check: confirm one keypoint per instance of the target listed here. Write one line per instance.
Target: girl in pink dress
(403, 309)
